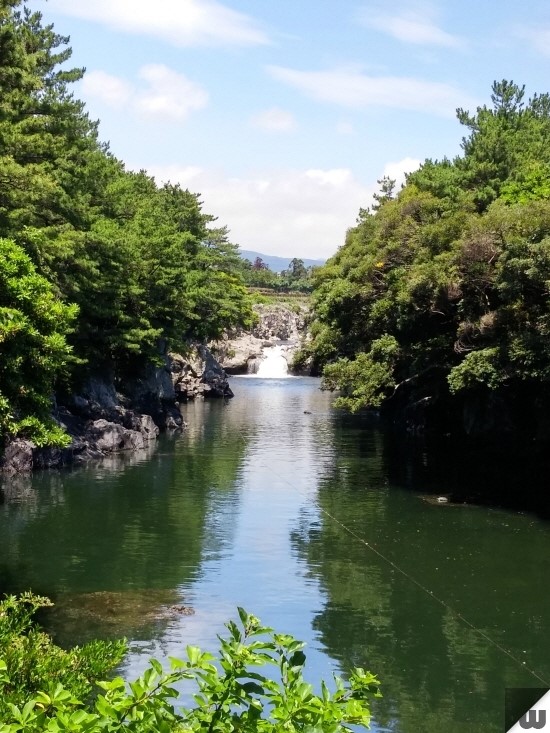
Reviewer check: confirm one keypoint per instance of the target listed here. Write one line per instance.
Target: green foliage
(297, 278)
(233, 692)
(32, 665)
(143, 263)
(479, 368)
(367, 379)
(34, 325)
(454, 270)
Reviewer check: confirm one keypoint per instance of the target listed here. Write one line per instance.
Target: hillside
(275, 263)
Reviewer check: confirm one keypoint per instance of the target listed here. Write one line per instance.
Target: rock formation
(240, 352)
(110, 416)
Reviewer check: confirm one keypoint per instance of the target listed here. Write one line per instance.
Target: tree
(443, 292)
(34, 325)
(143, 264)
(387, 188)
(259, 264)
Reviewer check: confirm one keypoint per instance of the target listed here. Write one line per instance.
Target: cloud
(398, 170)
(167, 95)
(180, 22)
(170, 95)
(345, 128)
(354, 89)
(287, 212)
(412, 27)
(274, 120)
(539, 37)
(112, 90)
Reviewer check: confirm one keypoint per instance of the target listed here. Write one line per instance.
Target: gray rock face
(240, 352)
(101, 424)
(18, 456)
(198, 374)
(109, 437)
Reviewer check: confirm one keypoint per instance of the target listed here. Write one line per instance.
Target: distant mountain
(277, 264)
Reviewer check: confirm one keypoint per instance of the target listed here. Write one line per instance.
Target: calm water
(267, 502)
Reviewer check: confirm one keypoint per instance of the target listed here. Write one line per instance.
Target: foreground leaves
(256, 684)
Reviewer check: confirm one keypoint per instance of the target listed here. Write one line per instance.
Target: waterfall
(273, 364)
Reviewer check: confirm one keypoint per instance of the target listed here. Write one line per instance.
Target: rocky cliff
(109, 415)
(241, 352)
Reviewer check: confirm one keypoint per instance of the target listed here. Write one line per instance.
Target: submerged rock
(115, 613)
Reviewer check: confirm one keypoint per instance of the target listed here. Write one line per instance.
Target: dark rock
(18, 456)
(109, 437)
(99, 419)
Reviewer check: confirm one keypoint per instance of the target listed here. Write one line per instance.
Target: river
(310, 519)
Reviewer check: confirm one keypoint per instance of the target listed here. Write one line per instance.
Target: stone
(18, 456)
(110, 437)
(240, 352)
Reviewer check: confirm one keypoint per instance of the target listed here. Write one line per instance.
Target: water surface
(310, 519)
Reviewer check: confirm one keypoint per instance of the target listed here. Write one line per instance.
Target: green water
(267, 502)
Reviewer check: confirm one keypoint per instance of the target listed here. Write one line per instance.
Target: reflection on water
(264, 502)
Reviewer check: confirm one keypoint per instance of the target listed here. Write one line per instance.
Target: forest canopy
(441, 292)
(112, 264)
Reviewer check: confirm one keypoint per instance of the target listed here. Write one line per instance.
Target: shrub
(256, 685)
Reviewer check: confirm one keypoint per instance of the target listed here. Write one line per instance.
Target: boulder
(198, 373)
(110, 437)
(18, 456)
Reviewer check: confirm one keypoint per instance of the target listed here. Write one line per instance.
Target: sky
(283, 114)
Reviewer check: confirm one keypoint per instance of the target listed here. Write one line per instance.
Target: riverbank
(110, 415)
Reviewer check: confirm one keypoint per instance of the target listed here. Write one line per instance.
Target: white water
(273, 364)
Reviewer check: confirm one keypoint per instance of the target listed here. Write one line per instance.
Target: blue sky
(282, 114)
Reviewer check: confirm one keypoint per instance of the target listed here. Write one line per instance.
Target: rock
(101, 424)
(198, 373)
(147, 427)
(18, 456)
(173, 419)
(109, 437)
(80, 404)
(51, 457)
(240, 352)
(100, 394)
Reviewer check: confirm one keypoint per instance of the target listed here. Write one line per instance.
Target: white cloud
(539, 37)
(353, 89)
(274, 120)
(344, 128)
(412, 27)
(288, 212)
(170, 95)
(167, 95)
(397, 170)
(111, 90)
(180, 22)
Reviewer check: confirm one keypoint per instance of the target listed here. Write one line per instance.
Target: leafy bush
(31, 661)
(234, 693)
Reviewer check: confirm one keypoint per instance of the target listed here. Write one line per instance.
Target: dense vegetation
(43, 687)
(440, 294)
(295, 278)
(98, 265)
